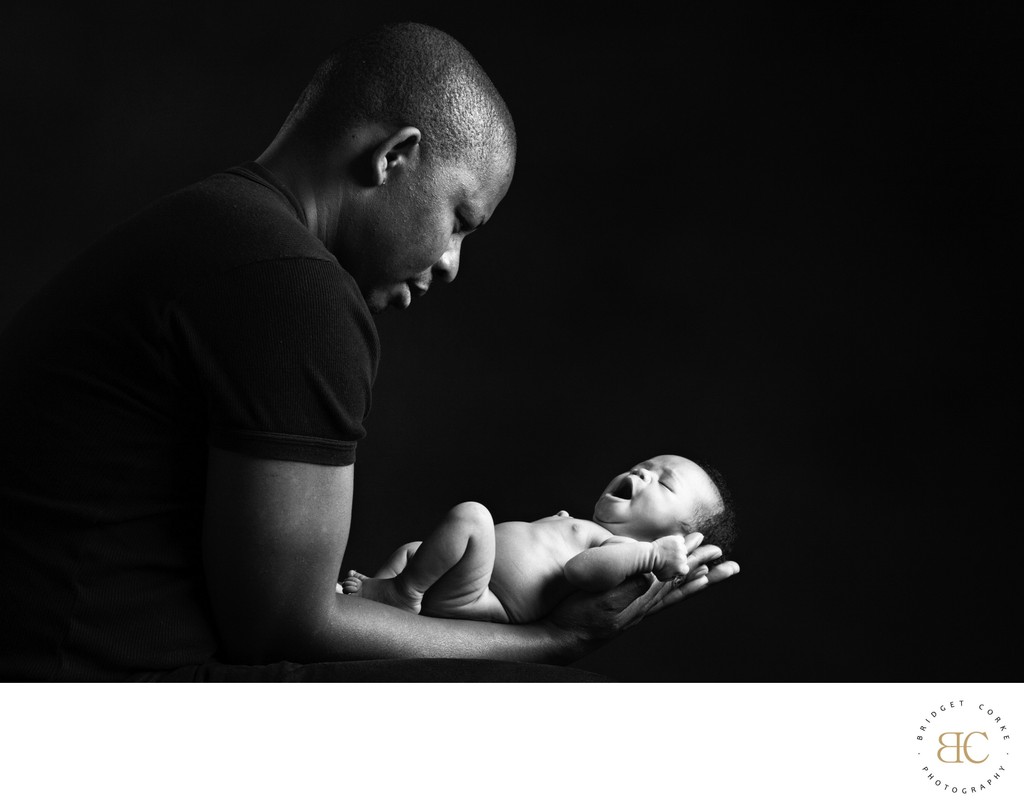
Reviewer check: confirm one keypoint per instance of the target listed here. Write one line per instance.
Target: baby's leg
(398, 560)
(459, 575)
(446, 576)
(381, 587)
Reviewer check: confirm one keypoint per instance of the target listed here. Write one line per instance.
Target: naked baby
(647, 520)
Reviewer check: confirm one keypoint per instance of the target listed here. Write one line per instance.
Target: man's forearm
(353, 628)
(274, 538)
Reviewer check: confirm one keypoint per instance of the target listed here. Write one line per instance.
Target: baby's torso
(529, 557)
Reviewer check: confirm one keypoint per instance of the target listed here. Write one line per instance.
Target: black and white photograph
(573, 349)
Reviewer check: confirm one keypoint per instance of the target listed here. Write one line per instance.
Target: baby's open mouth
(624, 490)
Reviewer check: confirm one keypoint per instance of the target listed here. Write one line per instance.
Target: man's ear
(395, 152)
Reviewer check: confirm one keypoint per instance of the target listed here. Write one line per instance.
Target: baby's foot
(383, 590)
(353, 584)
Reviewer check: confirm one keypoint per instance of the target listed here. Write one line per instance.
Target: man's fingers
(681, 592)
(724, 570)
(703, 555)
(641, 595)
(663, 595)
(636, 597)
(697, 572)
(692, 541)
(687, 588)
(648, 601)
(629, 591)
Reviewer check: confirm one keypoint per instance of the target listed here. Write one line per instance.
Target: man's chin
(399, 297)
(378, 302)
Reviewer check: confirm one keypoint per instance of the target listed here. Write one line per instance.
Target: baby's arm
(613, 561)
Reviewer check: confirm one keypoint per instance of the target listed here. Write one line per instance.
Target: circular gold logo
(963, 747)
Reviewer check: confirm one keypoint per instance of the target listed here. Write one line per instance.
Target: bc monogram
(963, 750)
(962, 747)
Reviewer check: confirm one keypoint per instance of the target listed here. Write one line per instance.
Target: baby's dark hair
(719, 527)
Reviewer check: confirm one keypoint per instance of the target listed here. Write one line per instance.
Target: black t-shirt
(212, 318)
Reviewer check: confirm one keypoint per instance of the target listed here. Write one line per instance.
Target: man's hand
(594, 619)
(697, 580)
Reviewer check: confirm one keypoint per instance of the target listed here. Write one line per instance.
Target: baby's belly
(527, 576)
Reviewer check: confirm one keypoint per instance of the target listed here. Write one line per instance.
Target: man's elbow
(262, 638)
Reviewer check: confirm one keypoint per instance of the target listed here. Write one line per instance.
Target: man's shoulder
(225, 241)
(225, 220)
(235, 217)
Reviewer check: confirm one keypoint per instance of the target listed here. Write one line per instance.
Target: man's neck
(294, 174)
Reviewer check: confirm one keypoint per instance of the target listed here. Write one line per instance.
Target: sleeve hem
(277, 446)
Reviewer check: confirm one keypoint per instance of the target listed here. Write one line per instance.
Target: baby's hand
(670, 557)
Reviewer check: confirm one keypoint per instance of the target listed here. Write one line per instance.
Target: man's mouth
(403, 295)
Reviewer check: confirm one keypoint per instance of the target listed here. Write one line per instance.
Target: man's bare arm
(274, 537)
(275, 534)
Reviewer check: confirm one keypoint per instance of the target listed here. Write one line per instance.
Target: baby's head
(668, 495)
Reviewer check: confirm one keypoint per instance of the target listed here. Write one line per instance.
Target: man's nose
(447, 266)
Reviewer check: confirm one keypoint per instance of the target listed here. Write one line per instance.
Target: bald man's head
(406, 74)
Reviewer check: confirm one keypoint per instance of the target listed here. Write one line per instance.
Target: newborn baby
(645, 521)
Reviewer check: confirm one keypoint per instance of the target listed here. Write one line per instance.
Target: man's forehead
(480, 187)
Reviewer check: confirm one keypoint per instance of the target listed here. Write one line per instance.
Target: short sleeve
(283, 353)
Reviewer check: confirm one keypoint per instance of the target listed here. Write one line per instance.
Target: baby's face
(651, 499)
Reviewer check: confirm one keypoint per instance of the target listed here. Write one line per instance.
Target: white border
(807, 744)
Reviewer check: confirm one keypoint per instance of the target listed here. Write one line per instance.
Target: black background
(781, 242)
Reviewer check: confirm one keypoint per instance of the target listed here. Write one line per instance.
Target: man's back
(180, 329)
